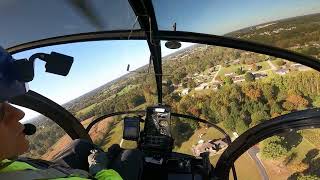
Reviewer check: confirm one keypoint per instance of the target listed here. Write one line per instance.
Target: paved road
(253, 154)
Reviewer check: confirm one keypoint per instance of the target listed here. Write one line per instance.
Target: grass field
(86, 109)
(264, 65)
(115, 137)
(230, 69)
(312, 135)
(127, 89)
(246, 168)
(224, 70)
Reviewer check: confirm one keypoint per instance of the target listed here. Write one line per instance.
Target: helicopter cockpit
(210, 90)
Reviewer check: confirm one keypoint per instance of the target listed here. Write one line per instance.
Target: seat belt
(50, 173)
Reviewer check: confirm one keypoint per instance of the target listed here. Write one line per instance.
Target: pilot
(81, 160)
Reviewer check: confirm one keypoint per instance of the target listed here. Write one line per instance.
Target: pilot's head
(12, 138)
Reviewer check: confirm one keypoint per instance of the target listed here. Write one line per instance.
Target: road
(253, 151)
(214, 78)
(271, 65)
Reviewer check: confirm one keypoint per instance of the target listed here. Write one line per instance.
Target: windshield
(233, 89)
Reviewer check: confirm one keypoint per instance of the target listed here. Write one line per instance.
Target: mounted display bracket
(56, 63)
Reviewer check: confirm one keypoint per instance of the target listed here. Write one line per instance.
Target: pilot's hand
(98, 160)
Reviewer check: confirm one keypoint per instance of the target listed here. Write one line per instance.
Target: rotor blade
(87, 10)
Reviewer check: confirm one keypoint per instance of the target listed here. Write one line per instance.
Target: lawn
(230, 69)
(246, 168)
(264, 65)
(224, 70)
(127, 89)
(312, 135)
(209, 134)
(86, 109)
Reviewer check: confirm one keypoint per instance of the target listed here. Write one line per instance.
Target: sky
(223, 16)
(96, 63)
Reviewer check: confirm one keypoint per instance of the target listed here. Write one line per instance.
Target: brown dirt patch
(97, 133)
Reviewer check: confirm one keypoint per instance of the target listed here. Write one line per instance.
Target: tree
(137, 100)
(249, 77)
(259, 117)
(252, 92)
(239, 71)
(294, 101)
(191, 84)
(175, 81)
(316, 102)
(307, 177)
(273, 148)
(228, 80)
(275, 110)
(269, 91)
(255, 67)
(241, 126)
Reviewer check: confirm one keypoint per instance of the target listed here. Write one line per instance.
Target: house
(214, 147)
(229, 74)
(282, 71)
(185, 91)
(300, 67)
(238, 79)
(260, 75)
(201, 87)
(215, 86)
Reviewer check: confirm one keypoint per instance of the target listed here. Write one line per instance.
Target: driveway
(253, 151)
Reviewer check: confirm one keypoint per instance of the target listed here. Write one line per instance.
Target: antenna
(173, 44)
(148, 71)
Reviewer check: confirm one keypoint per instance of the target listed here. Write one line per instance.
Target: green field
(264, 65)
(86, 109)
(230, 69)
(127, 89)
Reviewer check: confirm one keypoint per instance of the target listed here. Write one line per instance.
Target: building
(300, 67)
(260, 75)
(214, 147)
(282, 71)
(201, 87)
(238, 79)
(185, 92)
(229, 74)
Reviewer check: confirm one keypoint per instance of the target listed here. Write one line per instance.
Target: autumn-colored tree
(297, 101)
(194, 111)
(252, 92)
